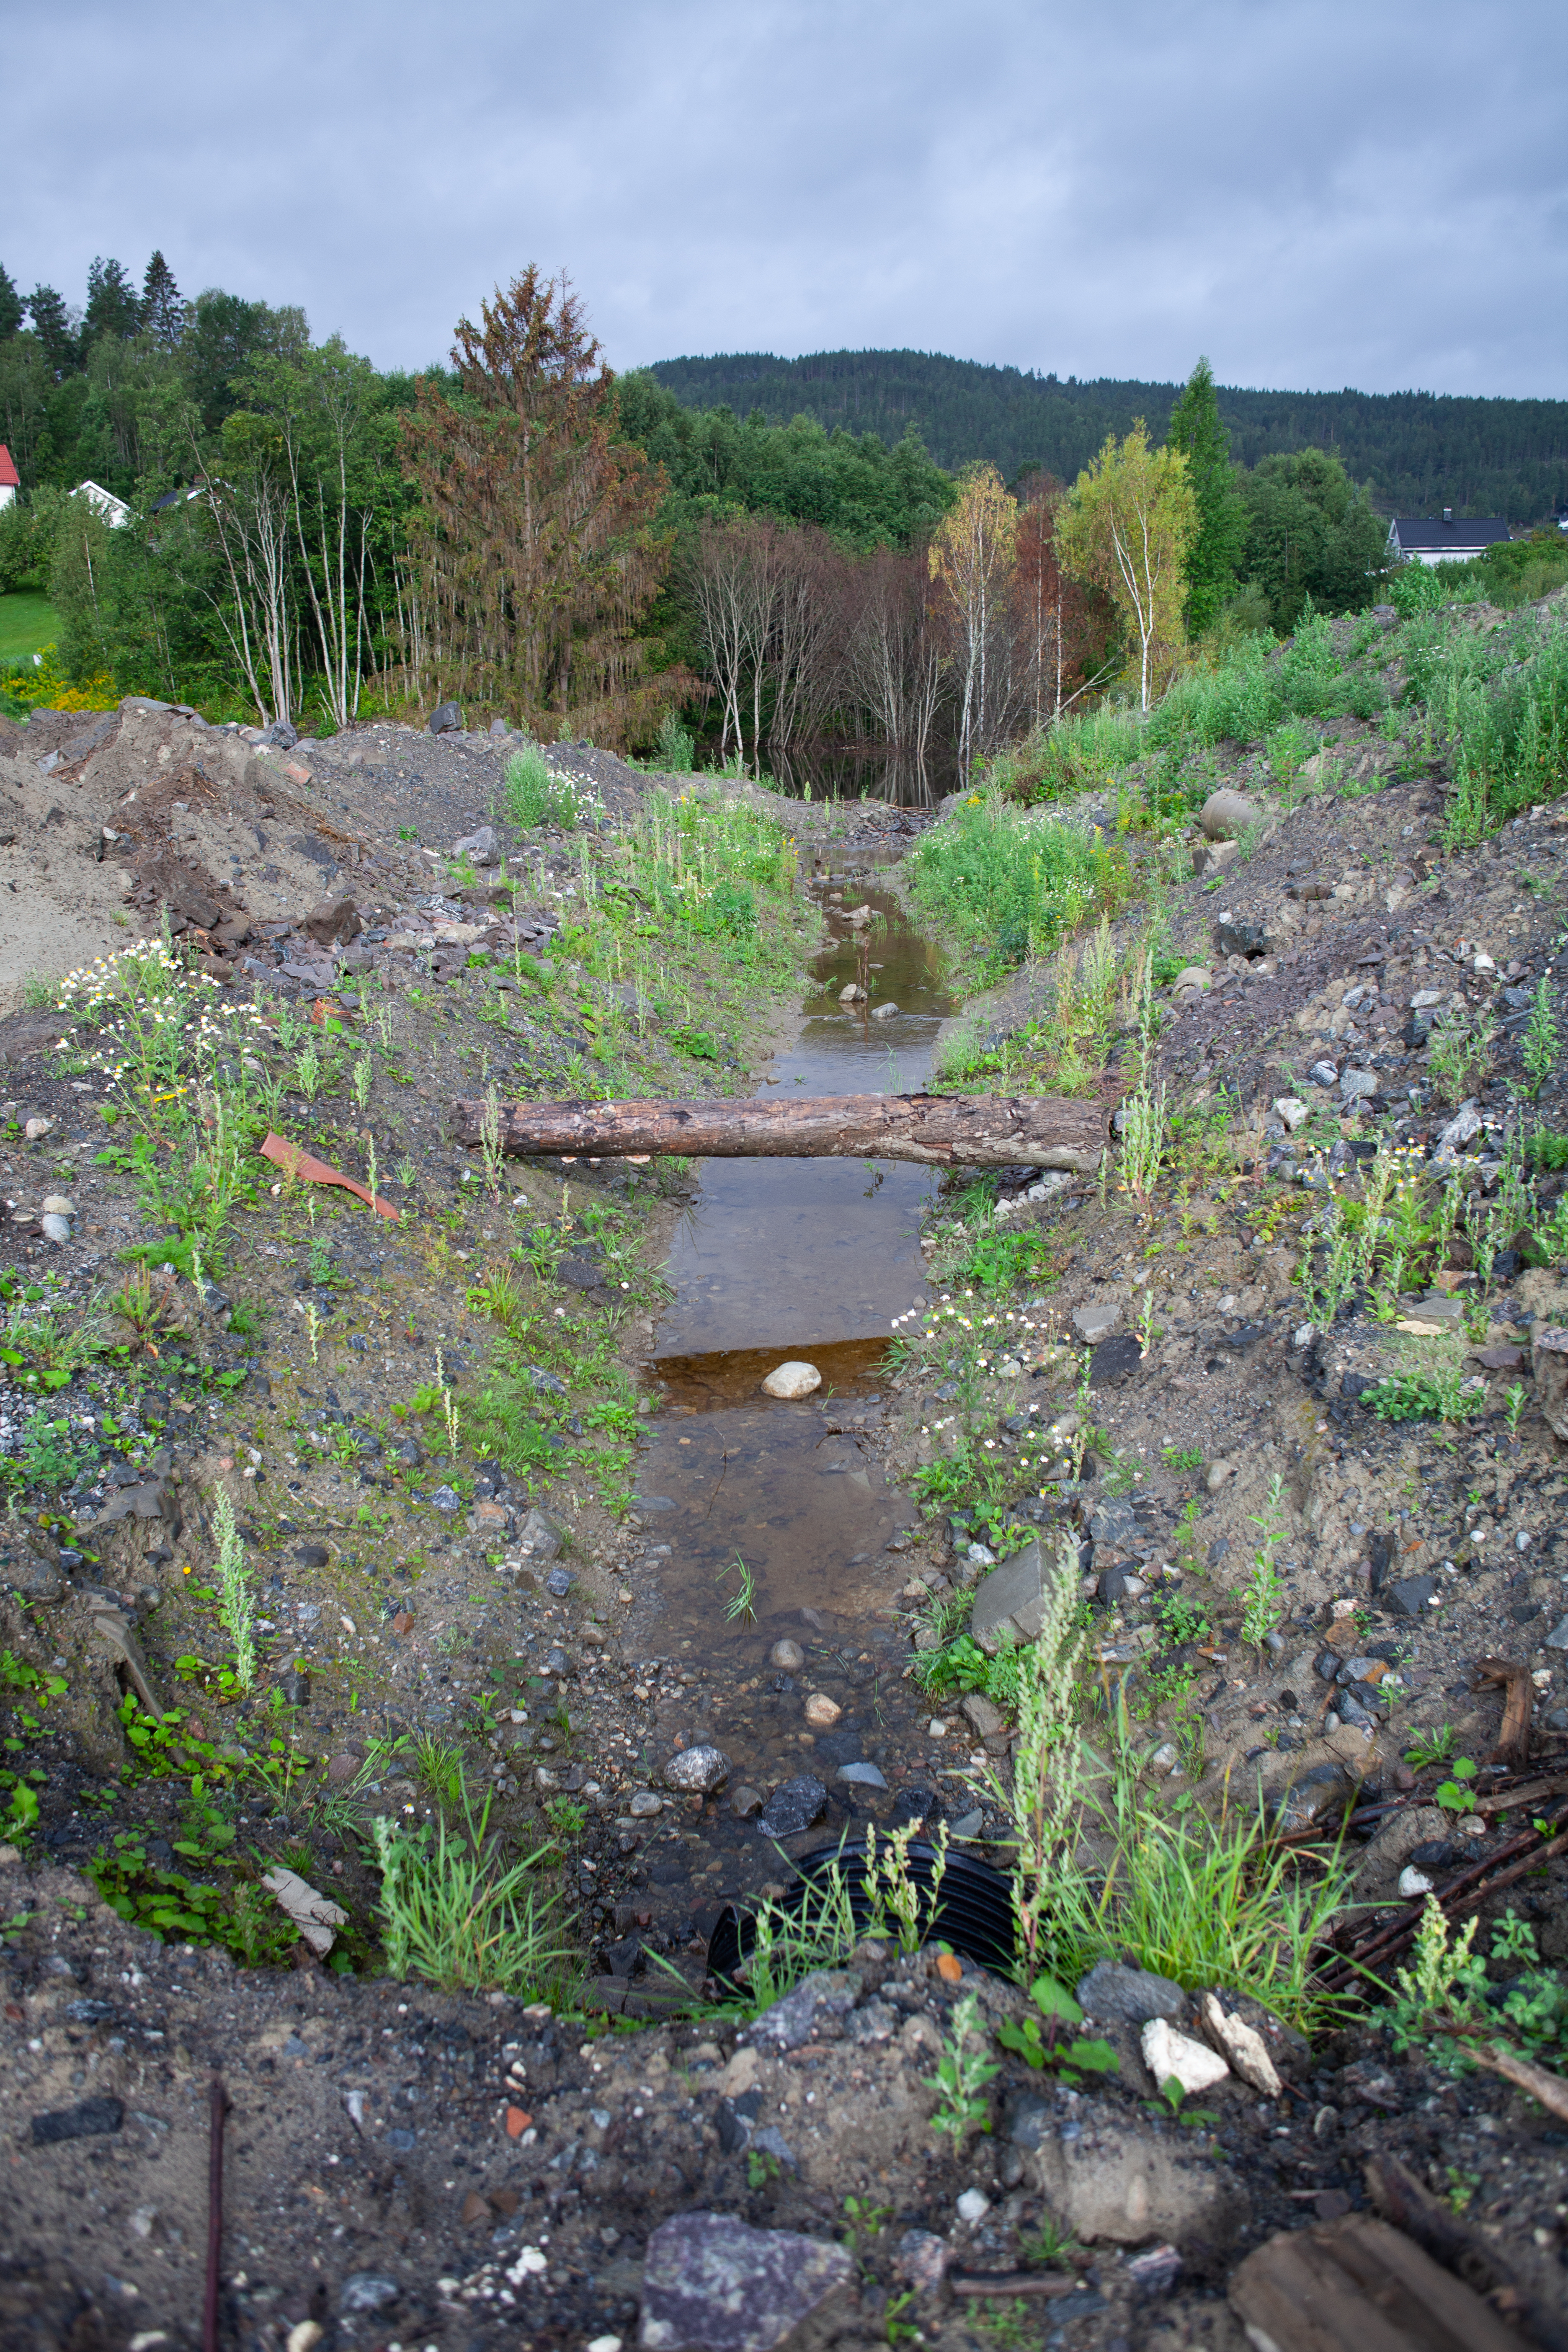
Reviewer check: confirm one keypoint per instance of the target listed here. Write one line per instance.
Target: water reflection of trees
(841, 673)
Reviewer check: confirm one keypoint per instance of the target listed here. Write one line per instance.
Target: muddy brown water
(778, 1260)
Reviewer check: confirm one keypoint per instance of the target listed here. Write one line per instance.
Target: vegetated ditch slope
(458, 2169)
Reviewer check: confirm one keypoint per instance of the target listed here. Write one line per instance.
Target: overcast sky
(1315, 195)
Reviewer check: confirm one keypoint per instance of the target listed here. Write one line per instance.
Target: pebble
(645, 1805)
(700, 1770)
(367, 2291)
(865, 1776)
(974, 2206)
(787, 1657)
(822, 1711)
(792, 1380)
(1414, 1882)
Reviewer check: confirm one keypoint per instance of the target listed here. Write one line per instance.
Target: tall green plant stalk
(1042, 1798)
(237, 1605)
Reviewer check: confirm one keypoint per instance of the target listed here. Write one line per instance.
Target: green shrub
(1004, 883)
(1238, 699)
(1308, 666)
(675, 746)
(535, 794)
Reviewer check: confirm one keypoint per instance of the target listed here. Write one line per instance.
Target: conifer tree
(162, 312)
(56, 329)
(113, 308)
(533, 552)
(12, 309)
(1196, 430)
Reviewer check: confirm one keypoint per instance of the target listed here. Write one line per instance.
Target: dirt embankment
(406, 2167)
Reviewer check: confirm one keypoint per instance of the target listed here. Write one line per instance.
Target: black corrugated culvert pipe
(974, 1909)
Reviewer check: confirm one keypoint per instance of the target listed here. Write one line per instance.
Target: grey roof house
(1450, 539)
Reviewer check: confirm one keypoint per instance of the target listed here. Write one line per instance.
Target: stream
(778, 1260)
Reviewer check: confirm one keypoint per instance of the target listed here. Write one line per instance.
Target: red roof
(10, 478)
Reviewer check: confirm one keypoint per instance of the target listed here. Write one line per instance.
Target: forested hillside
(1420, 451)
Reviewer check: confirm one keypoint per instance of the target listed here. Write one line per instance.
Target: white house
(1455, 538)
(10, 479)
(115, 512)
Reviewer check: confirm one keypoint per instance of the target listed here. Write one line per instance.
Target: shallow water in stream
(782, 1259)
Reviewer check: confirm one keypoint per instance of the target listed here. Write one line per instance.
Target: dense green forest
(852, 594)
(1418, 451)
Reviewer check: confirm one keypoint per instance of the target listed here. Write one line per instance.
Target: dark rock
(1412, 1596)
(1114, 1361)
(735, 2119)
(280, 735)
(1356, 1385)
(90, 2012)
(622, 1957)
(559, 1582)
(1014, 1593)
(89, 2119)
(1241, 938)
(311, 1555)
(1113, 1521)
(1028, 2120)
(333, 921)
(712, 2284)
(1122, 1996)
(296, 1688)
(793, 1807)
(823, 1997)
(541, 1539)
(1436, 1853)
(447, 718)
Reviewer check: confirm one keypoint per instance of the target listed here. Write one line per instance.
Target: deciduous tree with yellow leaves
(971, 558)
(1127, 526)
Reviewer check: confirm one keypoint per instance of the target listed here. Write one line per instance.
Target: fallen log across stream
(943, 1131)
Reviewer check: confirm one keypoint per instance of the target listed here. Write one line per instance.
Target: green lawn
(28, 622)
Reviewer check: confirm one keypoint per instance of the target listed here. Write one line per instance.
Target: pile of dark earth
(406, 2167)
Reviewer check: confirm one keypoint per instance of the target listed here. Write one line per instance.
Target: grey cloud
(1315, 195)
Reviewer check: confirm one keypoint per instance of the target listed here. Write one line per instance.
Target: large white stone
(792, 1380)
(1241, 2044)
(1167, 2052)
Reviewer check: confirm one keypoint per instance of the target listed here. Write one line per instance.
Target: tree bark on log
(942, 1131)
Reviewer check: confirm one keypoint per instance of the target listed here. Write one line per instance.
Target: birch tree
(971, 566)
(1127, 525)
